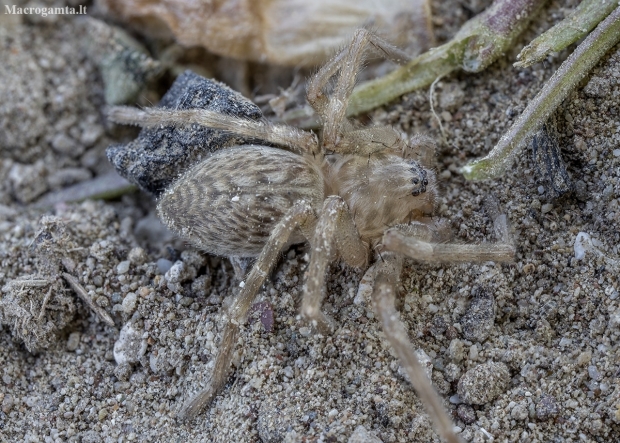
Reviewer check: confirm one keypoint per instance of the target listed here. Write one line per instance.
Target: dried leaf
(284, 32)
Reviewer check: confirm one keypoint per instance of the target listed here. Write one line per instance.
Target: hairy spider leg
(383, 297)
(299, 216)
(335, 233)
(332, 110)
(294, 139)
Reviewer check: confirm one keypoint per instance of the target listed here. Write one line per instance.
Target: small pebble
(451, 97)
(163, 265)
(479, 318)
(361, 435)
(91, 134)
(123, 371)
(137, 256)
(63, 144)
(130, 345)
(129, 302)
(186, 301)
(456, 350)
(473, 352)
(74, 341)
(483, 383)
(519, 412)
(102, 414)
(583, 243)
(180, 272)
(547, 407)
(466, 413)
(452, 372)
(594, 373)
(122, 267)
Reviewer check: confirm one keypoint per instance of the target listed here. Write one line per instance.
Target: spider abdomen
(229, 203)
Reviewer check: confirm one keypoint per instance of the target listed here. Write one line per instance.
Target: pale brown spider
(355, 194)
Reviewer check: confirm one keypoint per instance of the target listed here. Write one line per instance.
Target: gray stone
(361, 435)
(158, 156)
(483, 383)
(519, 412)
(74, 341)
(479, 318)
(130, 345)
(122, 267)
(547, 407)
(466, 413)
(123, 371)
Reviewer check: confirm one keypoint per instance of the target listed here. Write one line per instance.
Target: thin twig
(431, 94)
(29, 283)
(44, 305)
(480, 42)
(577, 25)
(81, 292)
(559, 86)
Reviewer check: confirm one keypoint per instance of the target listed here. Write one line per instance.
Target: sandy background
(545, 329)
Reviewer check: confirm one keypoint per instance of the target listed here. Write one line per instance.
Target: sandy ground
(537, 339)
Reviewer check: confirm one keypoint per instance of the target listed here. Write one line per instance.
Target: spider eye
(419, 178)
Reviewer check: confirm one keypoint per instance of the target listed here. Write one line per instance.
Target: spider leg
(406, 240)
(418, 240)
(395, 331)
(427, 230)
(422, 149)
(335, 233)
(295, 139)
(332, 110)
(300, 216)
(394, 240)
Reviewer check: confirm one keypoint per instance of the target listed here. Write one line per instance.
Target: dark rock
(466, 413)
(439, 326)
(123, 371)
(158, 156)
(547, 408)
(479, 318)
(547, 159)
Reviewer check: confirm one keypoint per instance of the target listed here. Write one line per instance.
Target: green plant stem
(477, 44)
(577, 25)
(559, 86)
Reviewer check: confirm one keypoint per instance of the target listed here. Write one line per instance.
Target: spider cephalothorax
(352, 193)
